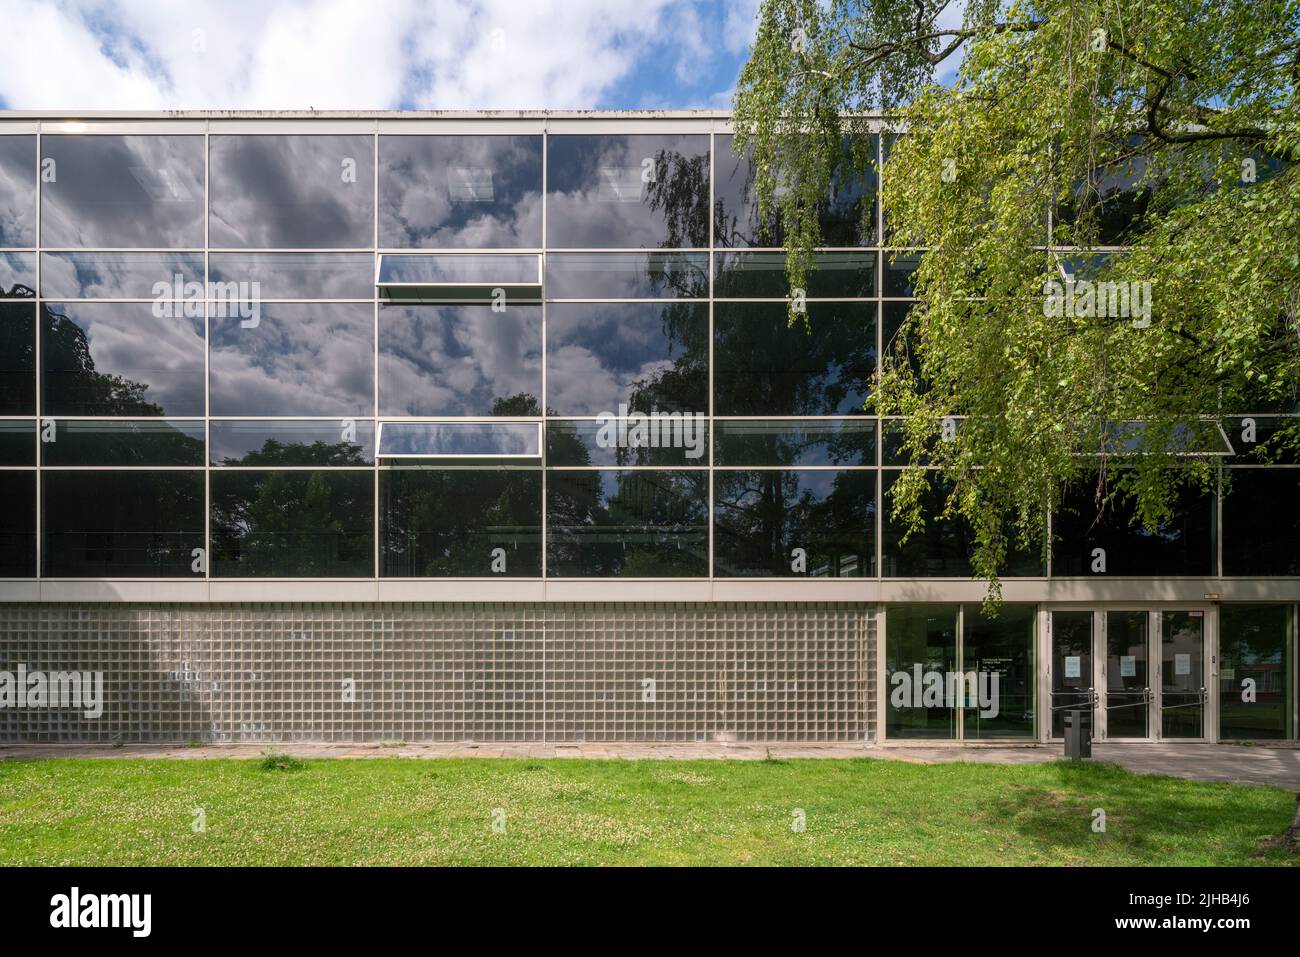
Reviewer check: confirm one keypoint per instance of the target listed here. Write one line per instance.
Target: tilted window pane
(512, 440)
(121, 359)
(292, 192)
(614, 524)
(788, 524)
(1261, 522)
(998, 654)
(159, 276)
(18, 524)
(240, 277)
(17, 191)
(669, 439)
(122, 524)
(460, 523)
(764, 366)
(632, 192)
(1257, 648)
(17, 358)
(273, 444)
(17, 442)
(797, 442)
(122, 192)
(644, 356)
(294, 359)
(460, 192)
(920, 654)
(762, 276)
(464, 360)
(627, 276)
(1264, 439)
(144, 442)
(17, 275)
(293, 524)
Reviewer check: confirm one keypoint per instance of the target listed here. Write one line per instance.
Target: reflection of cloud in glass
(17, 191)
(117, 275)
(298, 275)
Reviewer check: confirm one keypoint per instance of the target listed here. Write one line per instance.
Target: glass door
(1072, 685)
(1129, 700)
(1182, 674)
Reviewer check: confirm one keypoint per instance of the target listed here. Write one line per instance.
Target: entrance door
(1072, 685)
(1182, 674)
(1129, 700)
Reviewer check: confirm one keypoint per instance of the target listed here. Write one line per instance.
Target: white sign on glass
(1128, 666)
(1182, 664)
(1071, 666)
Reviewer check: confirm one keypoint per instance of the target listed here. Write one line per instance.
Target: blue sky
(75, 55)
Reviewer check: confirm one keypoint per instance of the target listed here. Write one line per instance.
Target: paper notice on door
(1182, 664)
(1128, 666)
(1071, 666)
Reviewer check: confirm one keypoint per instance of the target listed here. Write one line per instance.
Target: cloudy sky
(372, 54)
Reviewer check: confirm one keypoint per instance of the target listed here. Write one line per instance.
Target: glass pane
(1263, 439)
(1182, 708)
(920, 657)
(613, 524)
(1071, 667)
(666, 439)
(765, 366)
(122, 192)
(18, 524)
(634, 192)
(460, 440)
(460, 192)
(291, 359)
(155, 276)
(293, 524)
(239, 277)
(605, 358)
(1255, 673)
(272, 444)
(292, 192)
(762, 276)
(121, 524)
(461, 523)
(120, 359)
(144, 442)
(899, 348)
(17, 358)
(795, 442)
(17, 275)
(17, 442)
(809, 524)
(460, 268)
(900, 269)
(998, 673)
(1261, 522)
(462, 360)
(1128, 677)
(627, 276)
(1182, 546)
(18, 191)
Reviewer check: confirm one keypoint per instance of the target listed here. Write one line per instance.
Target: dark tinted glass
(786, 442)
(460, 192)
(628, 192)
(1263, 439)
(642, 355)
(122, 275)
(920, 641)
(18, 525)
(899, 348)
(765, 366)
(627, 524)
(454, 523)
(627, 276)
(665, 440)
(17, 190)
(762, 276)
(293, 524)
(141, 443)
(847, 216)
(17, 442)
(292, 359)
(292, 192)
(17, 275)
(897, 279)
(460, 360)
(17, 358)
(1182, 546)
(1000, 653)
(786, 524)
(1261, 522)
(122, 191)
(1114, 203)
(293, 275)
(121, 524)
(1257, 651)
(120, 359)
(272, 444)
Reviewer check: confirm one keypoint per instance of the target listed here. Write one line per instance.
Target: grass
(404, 811)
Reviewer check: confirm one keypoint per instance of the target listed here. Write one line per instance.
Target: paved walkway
(1201, 762)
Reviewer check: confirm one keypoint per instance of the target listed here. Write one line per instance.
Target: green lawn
(404, 811)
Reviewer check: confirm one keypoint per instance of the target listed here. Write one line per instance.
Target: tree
(1170, 127)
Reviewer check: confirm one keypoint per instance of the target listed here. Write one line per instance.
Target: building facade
(491, 427)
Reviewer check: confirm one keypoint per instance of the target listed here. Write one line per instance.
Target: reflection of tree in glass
(17, 352)
(681, 189)
(275, 453)
(65, 354)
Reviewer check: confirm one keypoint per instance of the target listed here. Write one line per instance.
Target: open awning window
(1204, 438)
(508, 441)
(460, 277)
